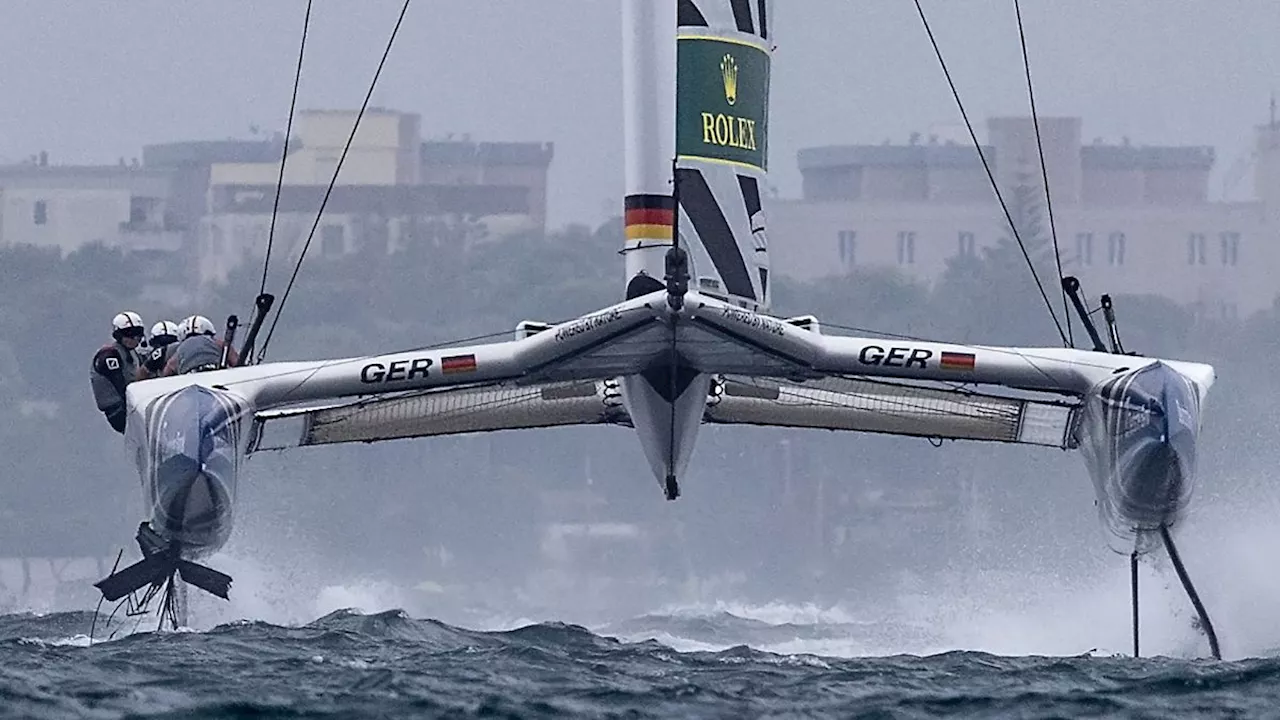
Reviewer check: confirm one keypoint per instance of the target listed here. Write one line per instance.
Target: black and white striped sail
(724, 52)
(696, 92)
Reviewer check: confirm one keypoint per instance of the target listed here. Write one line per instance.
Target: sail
(724, 50)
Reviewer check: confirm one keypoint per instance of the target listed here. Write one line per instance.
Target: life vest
(197, 353)
(114, 367)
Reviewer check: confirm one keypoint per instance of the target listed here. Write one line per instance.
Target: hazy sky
(93, 81)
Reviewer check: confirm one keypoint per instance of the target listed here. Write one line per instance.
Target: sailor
(164, 340)
(200, 350)
(115, 365)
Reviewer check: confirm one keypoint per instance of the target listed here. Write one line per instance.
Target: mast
(648, 126)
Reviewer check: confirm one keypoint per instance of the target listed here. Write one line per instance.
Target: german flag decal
(649, 217)
(458, 364)
(957, 361)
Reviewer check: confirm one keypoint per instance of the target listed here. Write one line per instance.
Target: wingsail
(724, 51)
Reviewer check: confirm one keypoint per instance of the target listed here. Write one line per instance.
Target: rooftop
(1128, 157)
(466, 152)
(955, 155)
(951, 155)
(118, 171)
(205, 152)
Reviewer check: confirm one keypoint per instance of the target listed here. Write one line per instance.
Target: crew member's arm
(153, 366)
(171, 367)
(109, 386)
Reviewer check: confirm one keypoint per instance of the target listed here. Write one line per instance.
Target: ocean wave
(349, 662)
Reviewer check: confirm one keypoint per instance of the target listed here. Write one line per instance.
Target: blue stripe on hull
(194, 439)
(1140, 432)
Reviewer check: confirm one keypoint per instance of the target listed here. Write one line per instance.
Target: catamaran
(691, 342)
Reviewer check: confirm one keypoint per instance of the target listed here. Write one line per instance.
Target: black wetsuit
(114, 367)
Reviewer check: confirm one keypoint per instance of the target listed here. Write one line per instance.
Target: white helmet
(163, 333)
(127, 324)
(197, 325)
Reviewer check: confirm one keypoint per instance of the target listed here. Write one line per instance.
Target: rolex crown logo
(729, 71)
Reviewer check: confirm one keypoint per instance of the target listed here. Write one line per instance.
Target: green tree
(868, 300)
(992, 296)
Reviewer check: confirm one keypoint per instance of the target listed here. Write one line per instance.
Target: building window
(848, 244)
(332, 241)
(1230, 248)
(1115, 248)
(906, 247)
(967, 245)
(1195, 249)
(138, 210)
(1084, 248)
(40, 212)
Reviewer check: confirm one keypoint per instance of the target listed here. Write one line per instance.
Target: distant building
(149, 210)
(1130, 219)
(69, 206)
(516, 171)
(393, 190)
(193, 211)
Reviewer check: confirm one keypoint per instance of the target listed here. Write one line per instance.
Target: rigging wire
(991, 176)
(94, 625)
(1044, 173)
(333, 180)
(288, 130)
